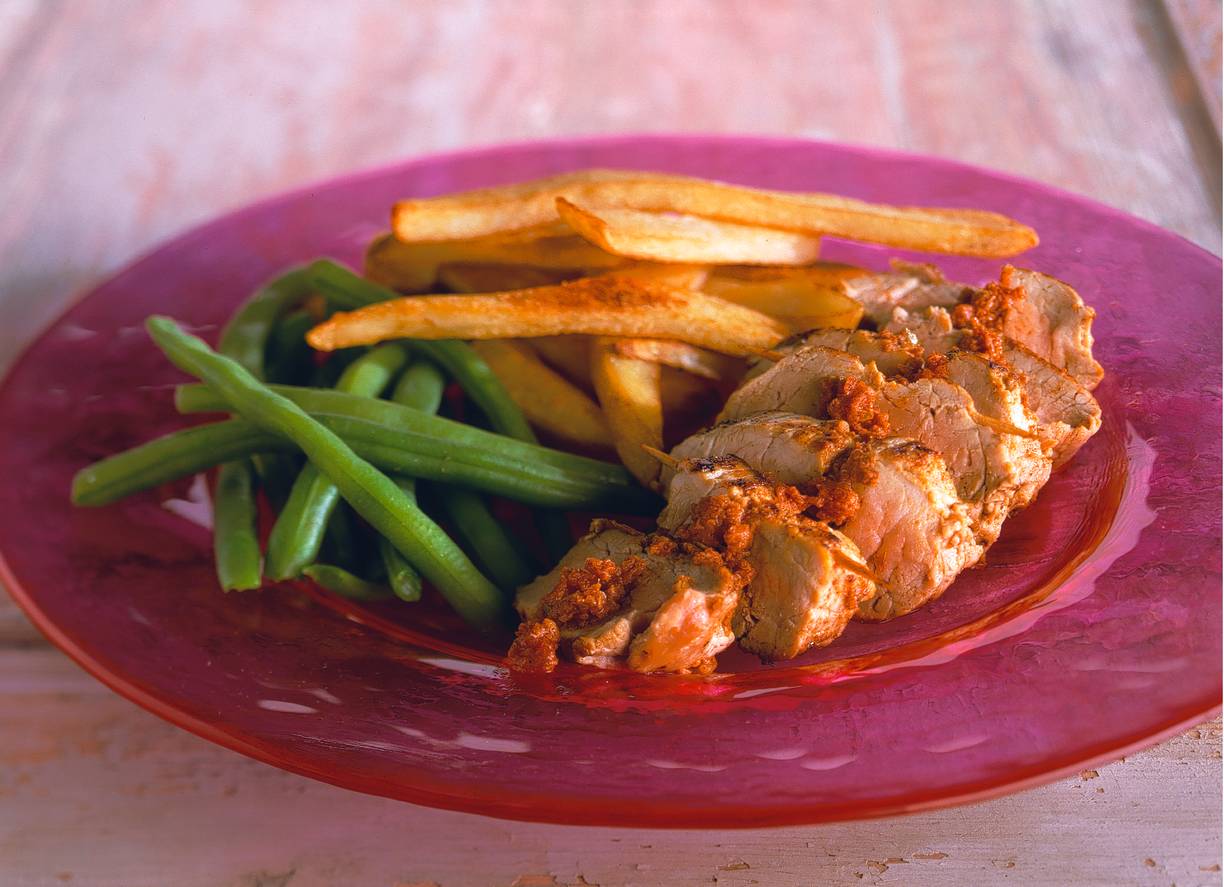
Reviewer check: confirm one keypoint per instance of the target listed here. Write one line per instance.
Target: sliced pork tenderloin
(1053, 322)
(893, 498)
(1065, 412)
(991, 448)
(907, 286)
(807, 579)
(622, 597)
(1040, 312)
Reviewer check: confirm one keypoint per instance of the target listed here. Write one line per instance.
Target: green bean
(297, 534)
(372, 494)
(244, 338)
(340, 581)
(420, 387)
(461, 441)
(288, 360)
(344, 289)
(372, 372)
(402, 576)
(340, 542)
(484, 535)
(235, 543)
(289, 355)
(447, 451)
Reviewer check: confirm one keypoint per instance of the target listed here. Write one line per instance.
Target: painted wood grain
(94, 791)
(1197, 24)
(122, 123)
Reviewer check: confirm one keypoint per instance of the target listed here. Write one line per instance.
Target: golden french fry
(489, 210)
(827, 273)
(629, 392)
(601, 306)
(685, 276)
(476, 213)
(682, 356)
(686, 238)
(485, 278)
(802, 298)
(569, 355)
(413, 267)
(546, 398)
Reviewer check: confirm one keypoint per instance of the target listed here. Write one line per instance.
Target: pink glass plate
(1094, 628)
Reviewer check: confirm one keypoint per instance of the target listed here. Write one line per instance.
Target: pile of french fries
(613, 303)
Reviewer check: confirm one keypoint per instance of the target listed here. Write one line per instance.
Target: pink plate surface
(1093, 629)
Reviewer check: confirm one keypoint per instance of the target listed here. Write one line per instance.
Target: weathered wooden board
(122, 123)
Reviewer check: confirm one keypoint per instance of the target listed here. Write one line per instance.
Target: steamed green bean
(298, 532)
(448, 451)
(340, 581)
(372, 494)
(235, 542)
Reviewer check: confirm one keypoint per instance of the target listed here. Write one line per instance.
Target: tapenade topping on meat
(856, 404)
(535, 647)
(592, 592)
(831, 500)
(727, 522)
(934, 367)
(983, 316)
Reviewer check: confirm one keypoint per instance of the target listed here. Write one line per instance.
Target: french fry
(485, 278)
(413, 267)
(477, 213)
(653, 236)
(682, 356)
(601, 306)
(683, 275)
(569, 355)
(546, 398)
(631, 397)
(802, 298)
(486, 211)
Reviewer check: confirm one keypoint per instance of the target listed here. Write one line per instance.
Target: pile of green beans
(371, 493)
(297, 535)
(359, 449)
(245, 339)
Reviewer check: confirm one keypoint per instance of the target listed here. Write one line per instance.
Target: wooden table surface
(124, 122)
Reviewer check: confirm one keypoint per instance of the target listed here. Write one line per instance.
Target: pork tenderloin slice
(1064, 411)
(995, 471)
(1053, 322)
(931, 327)
(679, 588)
(803, 381)
(911, 527)
(908, 286)
(894, 354)
(807, 579)
(787, 446)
